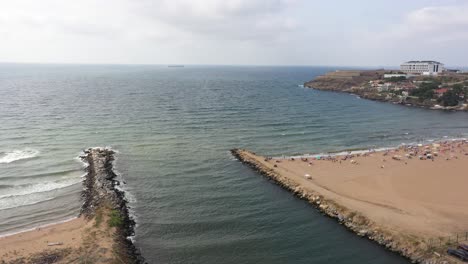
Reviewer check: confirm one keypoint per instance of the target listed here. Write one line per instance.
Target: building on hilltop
(422, 67)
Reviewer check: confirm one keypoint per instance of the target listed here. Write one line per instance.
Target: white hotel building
(422, 67)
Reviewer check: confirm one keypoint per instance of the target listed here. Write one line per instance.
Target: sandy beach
(411, 191)
(35, 241)
(72, 241)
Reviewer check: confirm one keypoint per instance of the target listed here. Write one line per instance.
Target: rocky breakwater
(101, 195)
(354, 221)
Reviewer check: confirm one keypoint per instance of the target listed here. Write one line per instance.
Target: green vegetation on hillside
(454, 96)
(425, 90)
(449, 98)
(396, 79)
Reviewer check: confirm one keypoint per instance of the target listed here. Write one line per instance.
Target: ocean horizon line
(201, 64)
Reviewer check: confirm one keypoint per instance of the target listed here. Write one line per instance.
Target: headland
(100, 234)
(411, 199)
(444, 91)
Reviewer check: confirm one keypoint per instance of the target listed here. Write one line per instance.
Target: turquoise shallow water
(173, 128)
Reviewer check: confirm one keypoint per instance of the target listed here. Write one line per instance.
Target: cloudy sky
(246, 32)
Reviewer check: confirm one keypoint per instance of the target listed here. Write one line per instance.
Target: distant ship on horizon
(175, 66)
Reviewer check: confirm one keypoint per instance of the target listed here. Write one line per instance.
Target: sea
(173, 128)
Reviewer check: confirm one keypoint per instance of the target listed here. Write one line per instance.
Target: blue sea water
(173, 128)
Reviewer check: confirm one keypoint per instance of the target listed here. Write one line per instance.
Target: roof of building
(424, 61)
(441, 90)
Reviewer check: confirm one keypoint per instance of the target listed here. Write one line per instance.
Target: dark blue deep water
(173, 128)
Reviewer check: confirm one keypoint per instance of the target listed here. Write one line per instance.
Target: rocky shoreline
(355, 82)
(378, 98)
(100, 190)
(355, 222)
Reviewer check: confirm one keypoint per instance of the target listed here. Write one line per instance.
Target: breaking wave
(15, 155)
(27, 189)
(22, 195)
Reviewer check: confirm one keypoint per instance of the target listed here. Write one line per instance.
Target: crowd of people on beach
(449, 149)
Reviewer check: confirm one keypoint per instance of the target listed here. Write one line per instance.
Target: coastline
(101, 233)
(365, 213)
(369, 149)
(375, 98)
(358, 83)
(38, 227)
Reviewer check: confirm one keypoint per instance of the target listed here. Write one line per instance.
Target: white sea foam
(16, 155)
(131, 199)
(28, 189)
(83, 163)
(22, 195)
(122, 187)
(6, 204)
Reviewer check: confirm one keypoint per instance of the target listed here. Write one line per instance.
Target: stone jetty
(101, 192)
(102, 233)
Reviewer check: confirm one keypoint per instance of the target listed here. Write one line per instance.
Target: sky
(234, 32)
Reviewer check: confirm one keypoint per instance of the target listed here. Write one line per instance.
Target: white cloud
(228, 31)
(439, 16)
(230, 19)
(435, 24)
(434, 32)
(55, 25)
(214, 10)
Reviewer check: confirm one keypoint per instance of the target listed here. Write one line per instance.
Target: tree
(458, 89)
(396, 79)
(428, 80)
(449, 98)
(425, 91)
